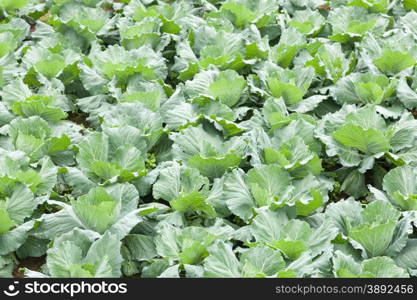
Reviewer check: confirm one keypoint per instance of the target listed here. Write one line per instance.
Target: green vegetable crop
(207, 138)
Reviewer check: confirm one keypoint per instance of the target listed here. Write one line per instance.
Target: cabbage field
(206, 138)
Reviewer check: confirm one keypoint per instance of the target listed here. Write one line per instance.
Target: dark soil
(79, 118)
(32, 263)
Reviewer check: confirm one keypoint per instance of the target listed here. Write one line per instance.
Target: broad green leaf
(6, 222)
(365, 140)
(12, 4)
(97, 210)
(267, 183)
(261, 261)
(237, 195)
(228, 87)
(268, 224)
(221, 262)
(381, 267)
(142, 247)
(400, 184)
(192, 202)
(407, 257)
(392, 62)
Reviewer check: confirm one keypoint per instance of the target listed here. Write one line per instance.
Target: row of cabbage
(237, 138)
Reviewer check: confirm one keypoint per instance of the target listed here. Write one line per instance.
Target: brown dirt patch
(32, 263)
